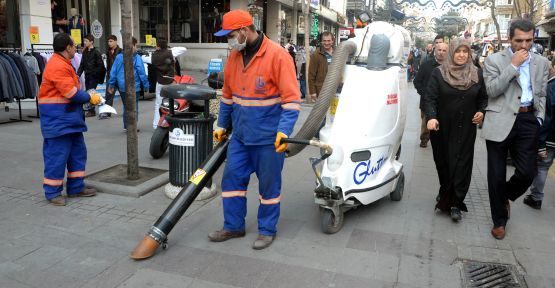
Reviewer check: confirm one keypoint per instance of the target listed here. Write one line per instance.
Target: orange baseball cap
(234, 20)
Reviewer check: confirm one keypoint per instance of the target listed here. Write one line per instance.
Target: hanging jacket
(117, 77)
(24, 72)
(17, 81)
(61, 100)
(5, 79)
(262, 98)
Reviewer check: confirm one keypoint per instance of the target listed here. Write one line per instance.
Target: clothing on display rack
(17, 80)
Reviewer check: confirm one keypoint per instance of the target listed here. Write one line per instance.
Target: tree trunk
(517, 9)
(130, 101)
(497, 28)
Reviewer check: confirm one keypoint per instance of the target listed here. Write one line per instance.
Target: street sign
(215, 65)
(96, 29)
(76, 36)
(34, 34)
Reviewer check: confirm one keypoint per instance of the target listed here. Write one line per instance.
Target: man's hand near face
(519, 57)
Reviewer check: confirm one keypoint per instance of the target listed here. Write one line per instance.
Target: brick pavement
(386, 244)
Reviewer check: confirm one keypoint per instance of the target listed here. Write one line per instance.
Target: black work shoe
(58, 201)
(456, 214)
(536, 204)
(87, 192)
(263, 241)
(224, 235)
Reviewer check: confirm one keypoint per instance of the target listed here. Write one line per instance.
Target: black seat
(188, 92)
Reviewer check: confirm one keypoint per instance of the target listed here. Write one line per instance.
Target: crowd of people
(511, 97)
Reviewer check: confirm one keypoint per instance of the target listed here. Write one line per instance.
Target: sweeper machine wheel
(330, 222)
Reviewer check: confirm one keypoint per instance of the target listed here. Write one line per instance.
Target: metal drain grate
(491, 275)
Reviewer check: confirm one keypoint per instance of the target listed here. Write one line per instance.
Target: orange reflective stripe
(53, 182)
(227, 101)
(71, 92)
(256, 103)
(269, 201)
(291, 106)
(75, 174)
(229, 194)
(57, 100)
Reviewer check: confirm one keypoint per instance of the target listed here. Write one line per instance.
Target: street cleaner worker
(62, 123)
(261, 101)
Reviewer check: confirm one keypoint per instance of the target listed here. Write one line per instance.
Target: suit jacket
(504, 93)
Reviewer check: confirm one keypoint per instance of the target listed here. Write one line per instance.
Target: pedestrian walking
(62, 123)
(93, 67)
(261, 102)
(421, 84)
(291, 51)
(111, 53)
(117, 79)
(431, 53)
(516, 82)
(546, 147)
(454, 104)
(164, 63)
(318, 66)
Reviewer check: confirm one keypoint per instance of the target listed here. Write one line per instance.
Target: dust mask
(234, 43)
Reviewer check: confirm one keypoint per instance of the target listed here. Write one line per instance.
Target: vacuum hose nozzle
(145, 249)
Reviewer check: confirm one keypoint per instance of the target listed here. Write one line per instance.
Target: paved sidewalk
(385, 244)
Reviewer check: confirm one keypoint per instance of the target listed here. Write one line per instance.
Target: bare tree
(130, 101)
(528, 9)
(496, 23)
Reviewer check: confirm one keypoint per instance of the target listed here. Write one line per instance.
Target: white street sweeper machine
(365, 106)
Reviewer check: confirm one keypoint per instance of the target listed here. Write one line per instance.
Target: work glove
(280, 147)
(95, 99)
(220, 134)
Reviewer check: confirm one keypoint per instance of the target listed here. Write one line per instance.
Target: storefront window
(256, 9)
(9, 24)
(184, 21)
(211, 21)
(153, 18)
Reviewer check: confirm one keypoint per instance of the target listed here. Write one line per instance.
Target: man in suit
(516, 82)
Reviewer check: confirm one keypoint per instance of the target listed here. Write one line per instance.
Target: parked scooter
(160, 138)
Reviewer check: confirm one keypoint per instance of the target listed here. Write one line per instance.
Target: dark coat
(110, 58)
(423, 77)
(92, 64)
(164, 63)
(547, 131)
(453, 144)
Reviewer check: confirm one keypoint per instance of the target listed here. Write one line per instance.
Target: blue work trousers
(61, 153)
(242, 161)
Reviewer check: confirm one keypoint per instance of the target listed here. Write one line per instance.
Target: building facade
(187, 23)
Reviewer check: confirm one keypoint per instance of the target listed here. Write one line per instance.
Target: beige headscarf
(460, 77)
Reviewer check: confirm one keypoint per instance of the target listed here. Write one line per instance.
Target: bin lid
(188, 92)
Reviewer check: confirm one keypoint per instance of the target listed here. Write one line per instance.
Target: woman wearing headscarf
(454, 106)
